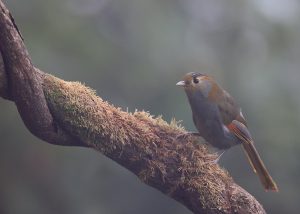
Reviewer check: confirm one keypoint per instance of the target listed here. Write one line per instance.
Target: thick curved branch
(24, 84)
(3, 81)
(68, 113)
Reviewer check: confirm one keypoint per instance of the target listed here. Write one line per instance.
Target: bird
(220, 121)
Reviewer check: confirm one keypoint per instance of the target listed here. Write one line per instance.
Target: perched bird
(219, 120)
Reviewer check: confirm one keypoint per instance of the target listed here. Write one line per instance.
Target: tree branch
(70, 114)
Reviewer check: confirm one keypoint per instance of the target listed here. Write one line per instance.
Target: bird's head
(195, 83)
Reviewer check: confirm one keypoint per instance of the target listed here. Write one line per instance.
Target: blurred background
(133, 52)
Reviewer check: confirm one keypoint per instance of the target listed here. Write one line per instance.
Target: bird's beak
(181, 83)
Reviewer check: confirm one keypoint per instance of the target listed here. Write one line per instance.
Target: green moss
(90, 118)
(109, 130)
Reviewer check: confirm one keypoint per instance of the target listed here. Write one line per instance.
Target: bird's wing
(229, 110)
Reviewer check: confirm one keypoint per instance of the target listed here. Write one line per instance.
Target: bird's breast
(205, 113)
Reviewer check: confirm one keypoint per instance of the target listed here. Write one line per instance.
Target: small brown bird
(219, 120)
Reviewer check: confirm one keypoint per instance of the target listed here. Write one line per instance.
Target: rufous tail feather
(259, 167)
(256, 162)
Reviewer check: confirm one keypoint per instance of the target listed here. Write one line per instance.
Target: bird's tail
(256, 162)
(259, 167)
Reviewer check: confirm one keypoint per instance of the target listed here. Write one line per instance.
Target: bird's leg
(218, 158)
(215, 161)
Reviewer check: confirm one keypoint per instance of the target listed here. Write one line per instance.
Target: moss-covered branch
(68, 113)
(148, 147)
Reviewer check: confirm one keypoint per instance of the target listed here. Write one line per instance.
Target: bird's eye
(195, 80)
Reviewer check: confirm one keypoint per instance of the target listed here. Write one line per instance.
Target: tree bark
(70, 114)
